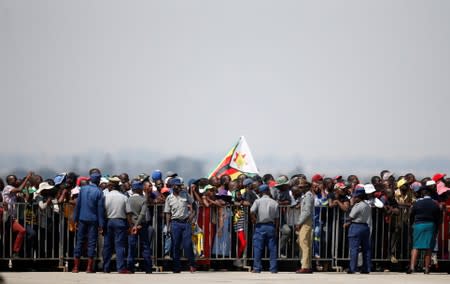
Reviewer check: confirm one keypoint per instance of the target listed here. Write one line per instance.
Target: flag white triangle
(242, 159)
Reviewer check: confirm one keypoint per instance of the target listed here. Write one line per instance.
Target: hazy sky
(307, 78)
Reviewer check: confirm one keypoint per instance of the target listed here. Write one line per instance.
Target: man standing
(116, 227)
(137, 207)
(9, 195)
(179, 217)
(359, 232)
(89, 218)
(264, 213)
(304, 227)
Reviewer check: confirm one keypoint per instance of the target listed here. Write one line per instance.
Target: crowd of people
(114, 214)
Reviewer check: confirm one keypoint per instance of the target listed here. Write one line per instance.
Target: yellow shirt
(404, 198)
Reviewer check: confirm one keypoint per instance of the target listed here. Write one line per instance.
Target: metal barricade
(37, 232)
(50, 235)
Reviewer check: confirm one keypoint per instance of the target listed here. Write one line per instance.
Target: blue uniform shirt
(90, 205)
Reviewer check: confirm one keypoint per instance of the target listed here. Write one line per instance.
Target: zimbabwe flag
(239, 160)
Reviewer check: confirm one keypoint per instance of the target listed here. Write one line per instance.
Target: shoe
(256, 271)
(304, 271)
(76, 265)
(238, 263)
(90, 265)
(177, 271)
(192, 269)
(148, 272)
(15, 255)
(350, 272)
(125, 271)
(426, 271)
(274, 272)
(283, 256)
(364, 272)
(434, 259)
(167, 257)
(409, 271)
(106, 271)
(394, 259)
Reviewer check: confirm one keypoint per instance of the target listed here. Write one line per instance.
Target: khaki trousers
(305, 244)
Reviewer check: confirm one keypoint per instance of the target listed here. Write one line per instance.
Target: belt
(180, 220)
(360, 223)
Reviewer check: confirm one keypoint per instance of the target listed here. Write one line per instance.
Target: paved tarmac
(221, 278)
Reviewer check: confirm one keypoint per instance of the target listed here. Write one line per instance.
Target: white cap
(44, 186)
(369, 188)
(378, 203)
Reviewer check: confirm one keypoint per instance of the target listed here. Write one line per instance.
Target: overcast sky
(313, 79)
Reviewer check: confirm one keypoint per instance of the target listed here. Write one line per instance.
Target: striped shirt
(239, 219)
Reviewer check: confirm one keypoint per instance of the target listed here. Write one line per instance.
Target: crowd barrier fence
(51, 235)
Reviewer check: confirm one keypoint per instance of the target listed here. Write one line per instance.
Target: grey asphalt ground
(221, 277)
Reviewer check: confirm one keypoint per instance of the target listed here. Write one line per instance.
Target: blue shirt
(90, 205)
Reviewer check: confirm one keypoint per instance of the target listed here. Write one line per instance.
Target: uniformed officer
(264, 213)
(137, 210)
(116, 227)
(89, 217)
(180, 212)
(359, 232)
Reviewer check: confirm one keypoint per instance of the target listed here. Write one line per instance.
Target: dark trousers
(145, 245)
(87, 230)
(116, 235)
(182, 236)
(359, 235)
(264, 235)
(31, 239)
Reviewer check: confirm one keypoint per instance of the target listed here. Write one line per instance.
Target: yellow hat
(401, 182)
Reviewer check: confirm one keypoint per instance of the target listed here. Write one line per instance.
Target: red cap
(80, 179)
(438, 176)
(337, 177)
(165, 189)
(316, 178)
(272, 183)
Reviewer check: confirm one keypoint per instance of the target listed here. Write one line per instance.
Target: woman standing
(425, 216)
(359, 232)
